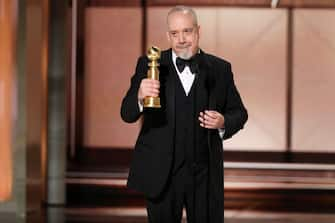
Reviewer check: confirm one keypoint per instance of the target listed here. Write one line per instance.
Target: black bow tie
(181, 63)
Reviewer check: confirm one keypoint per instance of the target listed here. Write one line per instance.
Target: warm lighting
(7, 40)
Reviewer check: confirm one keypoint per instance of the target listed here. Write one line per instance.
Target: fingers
(148, 88)
(206, 121)
(211, 119)
(150, 83)
(211, 114)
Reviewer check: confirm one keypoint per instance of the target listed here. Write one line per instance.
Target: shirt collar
(174, 58)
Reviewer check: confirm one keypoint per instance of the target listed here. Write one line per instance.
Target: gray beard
(185, 55)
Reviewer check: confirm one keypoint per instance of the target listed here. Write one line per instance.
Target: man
(178, 156)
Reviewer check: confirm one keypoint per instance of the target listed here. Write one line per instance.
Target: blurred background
(66, 65)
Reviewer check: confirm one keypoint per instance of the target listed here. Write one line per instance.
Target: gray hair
(183, 9)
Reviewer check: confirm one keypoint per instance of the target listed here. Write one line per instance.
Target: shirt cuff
(221, 132)
(140, 105)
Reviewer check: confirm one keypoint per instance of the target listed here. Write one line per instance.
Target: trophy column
(153, 55)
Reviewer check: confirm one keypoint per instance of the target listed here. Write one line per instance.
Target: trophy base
(152, 102)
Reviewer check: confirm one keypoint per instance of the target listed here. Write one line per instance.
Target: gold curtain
(7, 62)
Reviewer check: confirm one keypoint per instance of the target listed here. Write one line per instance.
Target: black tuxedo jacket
(153, 154)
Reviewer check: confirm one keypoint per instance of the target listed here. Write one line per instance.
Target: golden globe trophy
(153, 54)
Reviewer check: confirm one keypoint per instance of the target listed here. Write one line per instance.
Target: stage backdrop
(254, 40)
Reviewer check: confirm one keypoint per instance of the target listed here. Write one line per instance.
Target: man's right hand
(148, 87)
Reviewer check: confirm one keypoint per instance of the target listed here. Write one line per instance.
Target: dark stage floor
(137, 215)
(97, 193)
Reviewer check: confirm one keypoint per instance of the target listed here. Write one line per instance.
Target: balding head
(185, 10)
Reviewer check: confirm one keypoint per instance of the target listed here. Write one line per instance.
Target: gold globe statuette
(153, 54)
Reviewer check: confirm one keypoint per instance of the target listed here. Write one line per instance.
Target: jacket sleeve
(130, 111)
(235, 113)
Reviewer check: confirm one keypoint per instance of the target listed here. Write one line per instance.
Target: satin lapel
(204, 96)
(206, 71)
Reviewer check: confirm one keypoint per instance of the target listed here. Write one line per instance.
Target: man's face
(183, 35)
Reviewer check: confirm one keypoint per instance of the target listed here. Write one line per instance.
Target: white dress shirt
(186, 77)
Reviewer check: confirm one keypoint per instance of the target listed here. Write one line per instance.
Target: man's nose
(181, 38)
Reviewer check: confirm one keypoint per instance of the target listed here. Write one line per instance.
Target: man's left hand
(210, 119)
